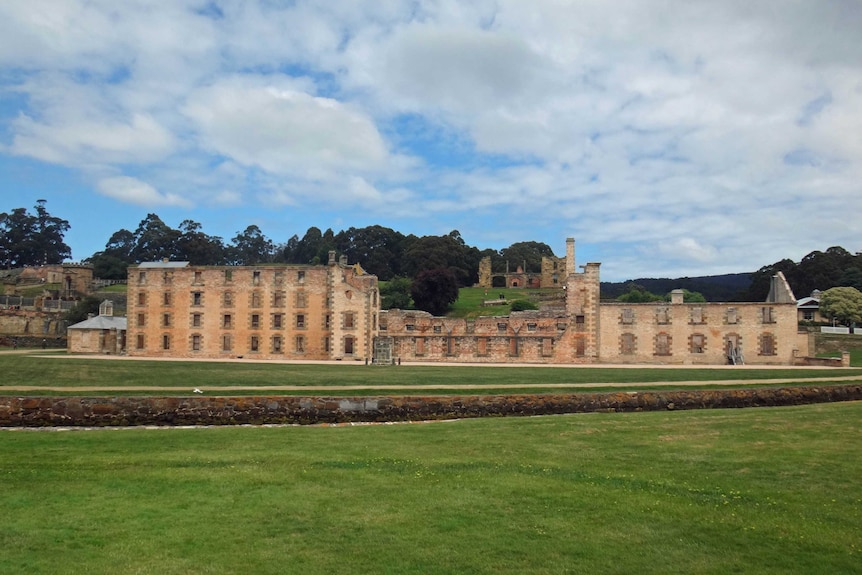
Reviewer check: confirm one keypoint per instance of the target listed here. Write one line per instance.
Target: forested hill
(728, 287)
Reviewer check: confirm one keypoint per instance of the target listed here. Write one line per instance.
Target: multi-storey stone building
(587, 330)
(332, 312)
(268, 311)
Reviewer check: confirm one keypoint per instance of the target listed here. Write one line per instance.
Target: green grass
(756, 491)
(63, 371)
(116, 288)
(469, 303)
(855, 356)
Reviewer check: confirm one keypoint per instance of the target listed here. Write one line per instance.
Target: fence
(17, 302)
(57, 305)
(838, 330)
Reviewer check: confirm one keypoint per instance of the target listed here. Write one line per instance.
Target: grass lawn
(469, 303)
(770, 490)
(64, 371)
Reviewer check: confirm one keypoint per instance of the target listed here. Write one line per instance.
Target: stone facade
(267, 312)
(553, 274)
(590, 331)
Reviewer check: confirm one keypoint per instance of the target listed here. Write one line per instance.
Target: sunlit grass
(59, 371)
(772, 490)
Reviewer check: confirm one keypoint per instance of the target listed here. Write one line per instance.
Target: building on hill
(589, 331)
(553, 274)
(268, 312)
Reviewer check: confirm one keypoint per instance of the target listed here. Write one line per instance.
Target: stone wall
(699, 333)
(123, 411)
(30, 323)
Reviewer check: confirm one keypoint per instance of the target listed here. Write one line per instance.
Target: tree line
(38, 238)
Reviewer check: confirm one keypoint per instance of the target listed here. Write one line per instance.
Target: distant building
(808, 308)
(326, 312)
(103, 334)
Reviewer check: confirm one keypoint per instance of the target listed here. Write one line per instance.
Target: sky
(670, 139)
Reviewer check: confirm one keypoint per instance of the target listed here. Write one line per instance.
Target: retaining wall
(197, 410)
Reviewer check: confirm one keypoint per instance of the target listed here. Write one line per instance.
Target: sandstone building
(268, 311)
(588, 331)
(103, 334)
(332, 312)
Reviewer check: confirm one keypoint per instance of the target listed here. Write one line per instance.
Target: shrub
(522, 305)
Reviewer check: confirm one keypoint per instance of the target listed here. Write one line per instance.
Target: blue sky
(670, 139)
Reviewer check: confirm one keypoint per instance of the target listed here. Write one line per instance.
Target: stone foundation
(125, 411)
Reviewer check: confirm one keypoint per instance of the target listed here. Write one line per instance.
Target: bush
(522, 305)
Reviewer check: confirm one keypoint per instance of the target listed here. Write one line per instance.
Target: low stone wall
(123, 411)
(843, 361)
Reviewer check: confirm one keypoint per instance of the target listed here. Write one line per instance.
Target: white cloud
(271, 124)
(133, 191)
(683, 134)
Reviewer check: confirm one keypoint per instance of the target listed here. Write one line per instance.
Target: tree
(395, 293)
(154, 240)
(31, 240)
(197, 247)
(378, 249)
(434, 290)
(526, 254)
(251, 247)
(82, 309)
(638, 294)
(108, 267)
(449, 251)
(689, 296)
(843, 304)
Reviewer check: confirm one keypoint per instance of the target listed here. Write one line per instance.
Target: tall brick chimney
(570, 256)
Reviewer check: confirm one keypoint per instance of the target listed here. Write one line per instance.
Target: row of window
(502, 327)
(662, 315)
(277, 320)
(253, 344)
(278, 277)
(278, 299)
(696, 344)
(452, 346)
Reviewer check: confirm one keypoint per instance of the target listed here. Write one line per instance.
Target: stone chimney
(570, 256)
(677, 296)
(332, 257)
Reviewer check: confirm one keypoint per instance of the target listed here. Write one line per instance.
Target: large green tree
(844, 304)
(197, 247)
(32, 239)
(448, 252)
(155, 240)
(380, 250)
(251, 247)
(434, 290)
(528, 255)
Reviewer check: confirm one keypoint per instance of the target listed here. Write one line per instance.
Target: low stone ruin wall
(199, 410)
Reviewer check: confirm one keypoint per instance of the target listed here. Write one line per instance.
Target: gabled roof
(101, 322)
(808, 303)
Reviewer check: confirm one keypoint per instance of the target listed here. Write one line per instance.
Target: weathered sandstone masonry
(264, 312)
(124, 411)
